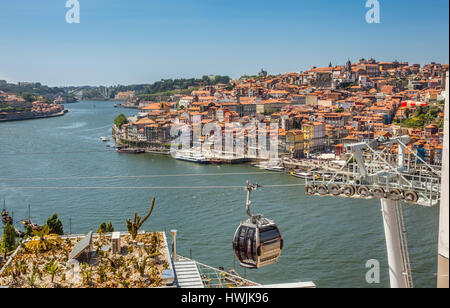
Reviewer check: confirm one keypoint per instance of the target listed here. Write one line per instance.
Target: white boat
(327, 176)
(275, 168)
(193, 158)
(270, 166)
(259, 166)
(104, 139)
(303, 175)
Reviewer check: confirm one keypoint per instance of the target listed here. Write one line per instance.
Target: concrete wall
(311, 100)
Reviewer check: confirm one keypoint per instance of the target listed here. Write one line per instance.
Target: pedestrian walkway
(187, 274)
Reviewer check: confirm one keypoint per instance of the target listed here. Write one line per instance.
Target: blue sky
(141, 41)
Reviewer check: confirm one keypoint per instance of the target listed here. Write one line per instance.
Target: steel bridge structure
(388, 170)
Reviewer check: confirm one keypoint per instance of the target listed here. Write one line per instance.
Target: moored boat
(302, 175)
(275, 168)
(5, 217)
(192, 158)
(19, 233)
(27, 223)
(131, 151)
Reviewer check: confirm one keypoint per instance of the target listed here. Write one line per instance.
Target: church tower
(348, 66)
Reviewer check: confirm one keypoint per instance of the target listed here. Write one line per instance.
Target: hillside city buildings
(316, 111)
(14, 107)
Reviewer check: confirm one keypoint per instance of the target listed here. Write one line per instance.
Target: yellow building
(295, 142)
(308, 137)
(314, 137)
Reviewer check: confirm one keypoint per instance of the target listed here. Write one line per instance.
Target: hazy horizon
(132, 42)
(200, 76)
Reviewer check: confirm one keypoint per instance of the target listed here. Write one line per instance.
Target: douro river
(60, 165)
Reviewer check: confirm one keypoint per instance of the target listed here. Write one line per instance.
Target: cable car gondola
(257, 242)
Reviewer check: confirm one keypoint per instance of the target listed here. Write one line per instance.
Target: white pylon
(397, 269)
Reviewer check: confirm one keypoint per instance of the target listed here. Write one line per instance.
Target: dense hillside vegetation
(163, 88)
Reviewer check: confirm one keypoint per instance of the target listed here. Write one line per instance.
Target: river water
(50, 164)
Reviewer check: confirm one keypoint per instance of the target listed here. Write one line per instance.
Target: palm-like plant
(43, 240)
(52, 268)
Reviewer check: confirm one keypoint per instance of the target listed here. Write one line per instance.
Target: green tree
(28, 230)
(419, 111)
(29, 97)
(9, 238)
(120, 120)
(415, 122)
(105, 228)
(55, 225)
(433, 112)
(407, 112)
(47, 100)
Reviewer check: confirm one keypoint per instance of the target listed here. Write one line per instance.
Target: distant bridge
(102, 91)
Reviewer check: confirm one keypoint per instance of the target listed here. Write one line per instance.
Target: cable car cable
(135, 176)
(143, 187)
